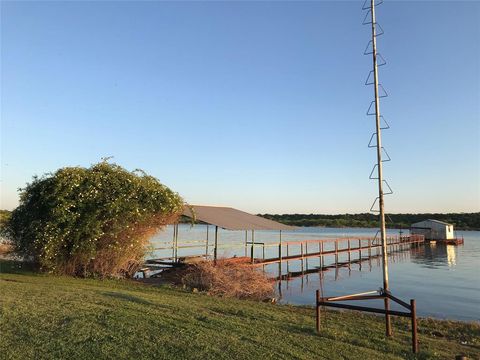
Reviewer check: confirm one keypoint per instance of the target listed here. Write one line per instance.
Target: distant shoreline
(370, 227)
(461, 221)
(344, 226)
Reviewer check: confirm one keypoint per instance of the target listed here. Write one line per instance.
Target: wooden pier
(316, 248)
(353, 249)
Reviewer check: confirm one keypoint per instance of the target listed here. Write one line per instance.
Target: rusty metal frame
(371, 295)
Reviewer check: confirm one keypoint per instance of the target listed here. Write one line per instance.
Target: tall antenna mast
(379, 164)
(377, 174)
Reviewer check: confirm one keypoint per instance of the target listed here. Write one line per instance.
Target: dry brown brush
(119, 256)
(228, 279)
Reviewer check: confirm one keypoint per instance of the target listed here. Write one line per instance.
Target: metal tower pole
(380, 170)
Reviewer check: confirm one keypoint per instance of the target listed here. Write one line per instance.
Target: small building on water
(433, 230)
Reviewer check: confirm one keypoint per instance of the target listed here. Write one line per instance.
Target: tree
(4, 217)
(93, 221)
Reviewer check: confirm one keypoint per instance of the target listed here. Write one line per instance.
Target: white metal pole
(380, 167)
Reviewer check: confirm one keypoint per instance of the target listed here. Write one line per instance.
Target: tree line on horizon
(461, 221)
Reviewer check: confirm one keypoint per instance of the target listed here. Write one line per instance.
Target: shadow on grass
(302, 330)
(126, 297)
(17, 267)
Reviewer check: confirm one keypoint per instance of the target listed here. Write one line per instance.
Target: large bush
(91, 221)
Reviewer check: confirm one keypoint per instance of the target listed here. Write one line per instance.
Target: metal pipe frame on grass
(331, 302)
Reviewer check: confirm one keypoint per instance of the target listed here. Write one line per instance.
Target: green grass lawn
(54, 317)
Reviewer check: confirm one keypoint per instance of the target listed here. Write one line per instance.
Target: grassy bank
(44, 316)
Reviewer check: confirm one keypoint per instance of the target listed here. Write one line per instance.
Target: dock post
(280, 256)
(206, 244)
(173, 242)
(317, 309)
(360, 249)
(216, 244)
(414, 326)
(369, 248)
(280, 247)
(319, 254)
(321, 259)
(336, 252)
(246, 240)
(251, 248)
(349, 261)
(301, 249)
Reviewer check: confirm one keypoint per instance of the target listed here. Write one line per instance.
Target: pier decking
(352, 249)
(393, 242)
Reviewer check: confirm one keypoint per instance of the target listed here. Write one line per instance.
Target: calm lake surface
(444, 279)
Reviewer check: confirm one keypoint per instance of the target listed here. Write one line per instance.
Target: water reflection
(451, 255)
(428, 255)
(302, 273)
(435, 255)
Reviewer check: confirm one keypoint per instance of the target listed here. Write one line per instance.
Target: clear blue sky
(255, 105)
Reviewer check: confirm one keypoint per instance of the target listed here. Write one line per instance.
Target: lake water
(444, 279)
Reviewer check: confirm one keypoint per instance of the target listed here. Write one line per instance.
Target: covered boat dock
(226, 218)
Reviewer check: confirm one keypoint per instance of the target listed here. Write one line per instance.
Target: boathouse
(433, 230)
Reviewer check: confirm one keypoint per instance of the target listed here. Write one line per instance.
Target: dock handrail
(303, 244)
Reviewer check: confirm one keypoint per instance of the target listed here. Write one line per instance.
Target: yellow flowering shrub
(93, 221)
